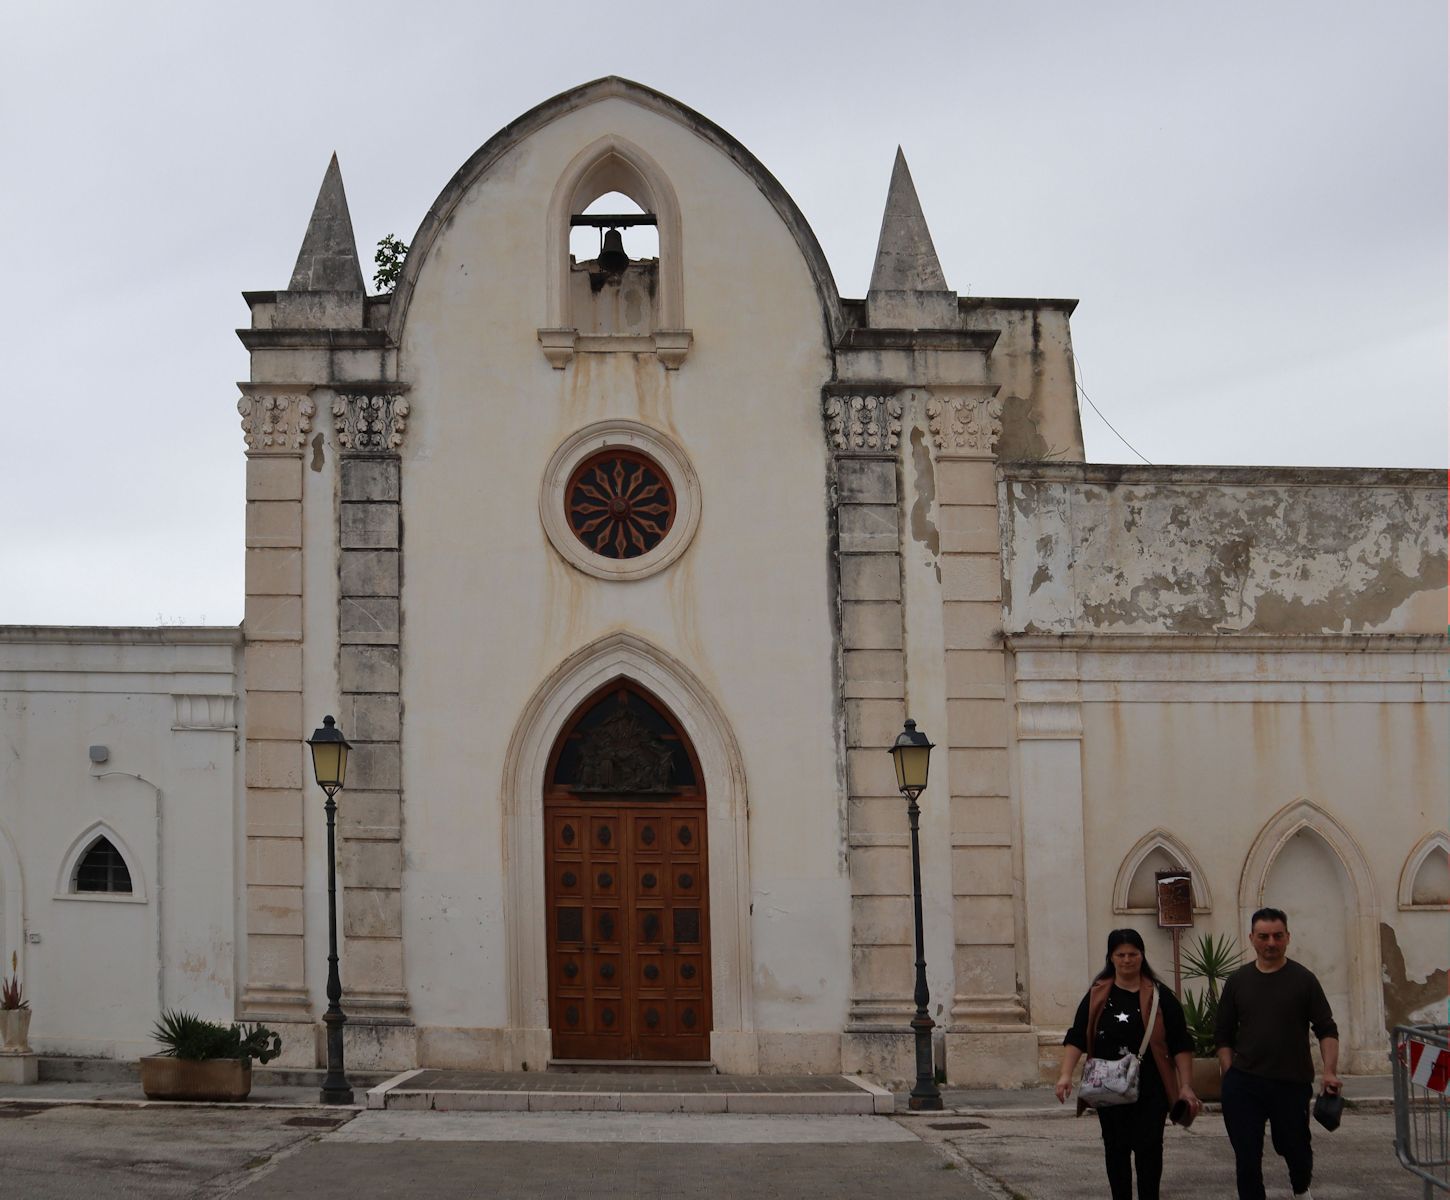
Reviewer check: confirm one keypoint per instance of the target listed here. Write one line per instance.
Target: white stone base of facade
(735, 1052)
(799, 1053)
(528, 1049)
(372, 1045)
(993, 1058)
(888, 1056)
(19, 1068)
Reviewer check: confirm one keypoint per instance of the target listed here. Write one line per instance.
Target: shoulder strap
(1148, 1028)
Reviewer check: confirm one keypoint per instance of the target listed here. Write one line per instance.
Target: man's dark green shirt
(1264, 1016)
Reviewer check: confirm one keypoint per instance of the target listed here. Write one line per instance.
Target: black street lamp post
(329, 764)
(912, 755)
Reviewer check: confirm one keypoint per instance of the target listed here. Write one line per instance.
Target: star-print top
(1120, 1024)
(1120, 1031)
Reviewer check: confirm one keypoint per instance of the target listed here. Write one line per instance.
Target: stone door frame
(553, 704)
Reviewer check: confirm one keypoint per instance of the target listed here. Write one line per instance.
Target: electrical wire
(1077, 383)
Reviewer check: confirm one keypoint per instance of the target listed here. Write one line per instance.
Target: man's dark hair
(1269, 914)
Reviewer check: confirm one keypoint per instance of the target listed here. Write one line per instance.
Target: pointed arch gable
(623, 655)
(77, 850)
(1426, 846)
(1366, 998)
(551, 110)
(1160, 839)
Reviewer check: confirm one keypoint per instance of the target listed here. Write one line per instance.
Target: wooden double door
(627, 891)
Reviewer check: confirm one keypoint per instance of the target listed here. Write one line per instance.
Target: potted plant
(14, 1012)
(203, 1060)
(1212, 959)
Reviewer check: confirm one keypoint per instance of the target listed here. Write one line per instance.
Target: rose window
(619, 503)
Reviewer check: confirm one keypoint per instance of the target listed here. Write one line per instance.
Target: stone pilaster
(369, 427)
(276, 423)
(1049, 754)
(863, 432)
(989, 1039)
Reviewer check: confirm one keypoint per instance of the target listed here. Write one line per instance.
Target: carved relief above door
(626, 886)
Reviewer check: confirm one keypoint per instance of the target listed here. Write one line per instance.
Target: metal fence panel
(1421, 1060)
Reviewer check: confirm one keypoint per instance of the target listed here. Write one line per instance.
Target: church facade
(621, 575)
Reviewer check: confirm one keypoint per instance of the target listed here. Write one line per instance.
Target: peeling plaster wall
(1223, 550)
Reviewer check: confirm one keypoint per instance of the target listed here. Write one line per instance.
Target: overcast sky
(1249, 199)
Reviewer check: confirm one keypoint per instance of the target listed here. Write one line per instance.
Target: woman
(1109, 1023)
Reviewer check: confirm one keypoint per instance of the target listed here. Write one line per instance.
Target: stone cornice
(276, 422)
(1220, 643)
(369, 421)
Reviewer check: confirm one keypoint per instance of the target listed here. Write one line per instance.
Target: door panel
(628, 926)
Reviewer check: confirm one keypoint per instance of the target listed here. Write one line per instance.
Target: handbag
(1110, 1081)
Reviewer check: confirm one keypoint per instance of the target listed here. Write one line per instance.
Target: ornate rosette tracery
(620, 503)
(619, 500)
(372, 422)
(276, 422)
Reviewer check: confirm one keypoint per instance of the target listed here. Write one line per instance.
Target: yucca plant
(185, 1035)
(1212, 958)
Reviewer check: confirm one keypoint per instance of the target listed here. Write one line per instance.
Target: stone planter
(1207, 1081)
(165, 1078)
(15, 1029)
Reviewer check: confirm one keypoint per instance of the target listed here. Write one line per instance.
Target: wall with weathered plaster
(98, 969)
(1201, 550)
(490, 609)
(1300, 779)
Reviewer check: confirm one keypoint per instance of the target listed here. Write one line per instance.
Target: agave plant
(185, 1035)
(1212, 958)
(11, 996)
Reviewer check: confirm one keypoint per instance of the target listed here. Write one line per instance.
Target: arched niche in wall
(614, 164)
(75, 855)
(1305, 862)
(1134, 890)
(1425, 880)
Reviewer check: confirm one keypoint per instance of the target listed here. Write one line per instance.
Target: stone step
(699, 1092)
(600, 1066)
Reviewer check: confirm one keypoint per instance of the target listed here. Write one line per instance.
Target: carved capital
(863, 424)
(372, 423)
(276, 423)
(964, 424)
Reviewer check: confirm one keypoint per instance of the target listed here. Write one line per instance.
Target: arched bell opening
(626, 884)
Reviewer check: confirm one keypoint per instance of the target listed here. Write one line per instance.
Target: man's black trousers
(1248, 1102)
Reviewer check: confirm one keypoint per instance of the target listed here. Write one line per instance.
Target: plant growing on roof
(1212, 958)
(389, 259)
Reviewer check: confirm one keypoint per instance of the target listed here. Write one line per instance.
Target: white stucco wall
(98, 970)
(489, 608)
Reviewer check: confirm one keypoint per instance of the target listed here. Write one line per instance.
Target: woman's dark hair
(1120, 937)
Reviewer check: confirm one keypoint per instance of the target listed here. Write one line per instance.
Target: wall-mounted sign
(1175, 899)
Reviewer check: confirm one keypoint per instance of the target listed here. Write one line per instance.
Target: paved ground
(1017, 1146)
(1041, 1155)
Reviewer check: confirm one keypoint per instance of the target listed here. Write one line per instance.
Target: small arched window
(102, 869)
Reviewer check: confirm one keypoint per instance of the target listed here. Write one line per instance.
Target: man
(1264, 1015)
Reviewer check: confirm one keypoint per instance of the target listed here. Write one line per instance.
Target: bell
(612, 258)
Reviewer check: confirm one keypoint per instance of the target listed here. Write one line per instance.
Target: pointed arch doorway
(626, 889)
